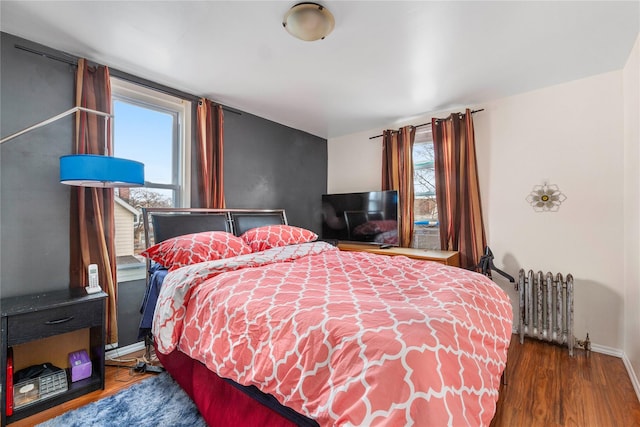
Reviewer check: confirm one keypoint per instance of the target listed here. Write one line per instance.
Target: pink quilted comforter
(345, 338)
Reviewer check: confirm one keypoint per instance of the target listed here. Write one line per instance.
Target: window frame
(124, 91)
(181, 109)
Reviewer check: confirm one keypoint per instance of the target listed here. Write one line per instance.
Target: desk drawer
(41, 324)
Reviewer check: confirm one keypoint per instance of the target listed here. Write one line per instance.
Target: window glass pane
(133, 200)
(424, 173)
(426, 232)
(145, 135)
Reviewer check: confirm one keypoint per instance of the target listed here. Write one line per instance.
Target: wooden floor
(545, 388)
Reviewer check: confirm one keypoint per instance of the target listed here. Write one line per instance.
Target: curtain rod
(424, 124)
(73, 61)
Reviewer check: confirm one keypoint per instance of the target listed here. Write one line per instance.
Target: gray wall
(271, 166)
(267, 165)
(34, 206)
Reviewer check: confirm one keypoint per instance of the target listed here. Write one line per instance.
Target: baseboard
(609, 351)
(632, 375)
(123, 351)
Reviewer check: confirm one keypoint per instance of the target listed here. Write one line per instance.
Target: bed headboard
(164, 223)
(243, 221)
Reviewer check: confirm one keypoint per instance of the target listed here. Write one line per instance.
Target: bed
(293, 331)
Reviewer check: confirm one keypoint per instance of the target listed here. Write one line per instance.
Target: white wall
(570, 135)
(631, 85)
(354, 163)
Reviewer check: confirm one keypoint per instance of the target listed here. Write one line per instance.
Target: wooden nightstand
(30, 318)
(444, 257)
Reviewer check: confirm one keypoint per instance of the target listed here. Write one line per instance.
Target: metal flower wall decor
(546, 198)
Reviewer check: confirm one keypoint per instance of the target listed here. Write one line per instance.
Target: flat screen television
(368, 217)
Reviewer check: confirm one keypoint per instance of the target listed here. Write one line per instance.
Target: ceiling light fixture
(308, 21)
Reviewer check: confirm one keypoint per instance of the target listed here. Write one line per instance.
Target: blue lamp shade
(90, 170)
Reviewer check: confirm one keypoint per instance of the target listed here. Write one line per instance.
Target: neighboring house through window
(426, 234)
(153, 128)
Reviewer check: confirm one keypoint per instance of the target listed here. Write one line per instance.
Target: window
(153, 128)
(426, 233)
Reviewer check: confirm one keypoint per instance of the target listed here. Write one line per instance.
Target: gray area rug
(157, 401)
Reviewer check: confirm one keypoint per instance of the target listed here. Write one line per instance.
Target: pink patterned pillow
(271, 236)
(197, 247)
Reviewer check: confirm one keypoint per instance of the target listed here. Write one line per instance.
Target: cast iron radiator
(546, 308)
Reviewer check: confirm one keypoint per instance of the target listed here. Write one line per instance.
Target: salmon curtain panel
(397, 174)
(210, 130)
(92, 226)
(457, 188)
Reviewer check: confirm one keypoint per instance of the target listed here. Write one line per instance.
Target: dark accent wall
(34, 206)
(266, 165)
(271, 166)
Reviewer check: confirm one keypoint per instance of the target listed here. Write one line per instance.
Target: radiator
(546, 308)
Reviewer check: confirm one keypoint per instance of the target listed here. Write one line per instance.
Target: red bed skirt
(220, 403)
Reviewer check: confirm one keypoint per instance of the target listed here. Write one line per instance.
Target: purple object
(80, 365)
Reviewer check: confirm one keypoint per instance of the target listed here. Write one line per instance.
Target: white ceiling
(386, 61)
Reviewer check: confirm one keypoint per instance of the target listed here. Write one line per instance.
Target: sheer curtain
(397, 174)
(210, 133)
(457, 188)
(92, 226)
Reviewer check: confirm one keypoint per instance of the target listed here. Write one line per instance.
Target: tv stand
(444, 257)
